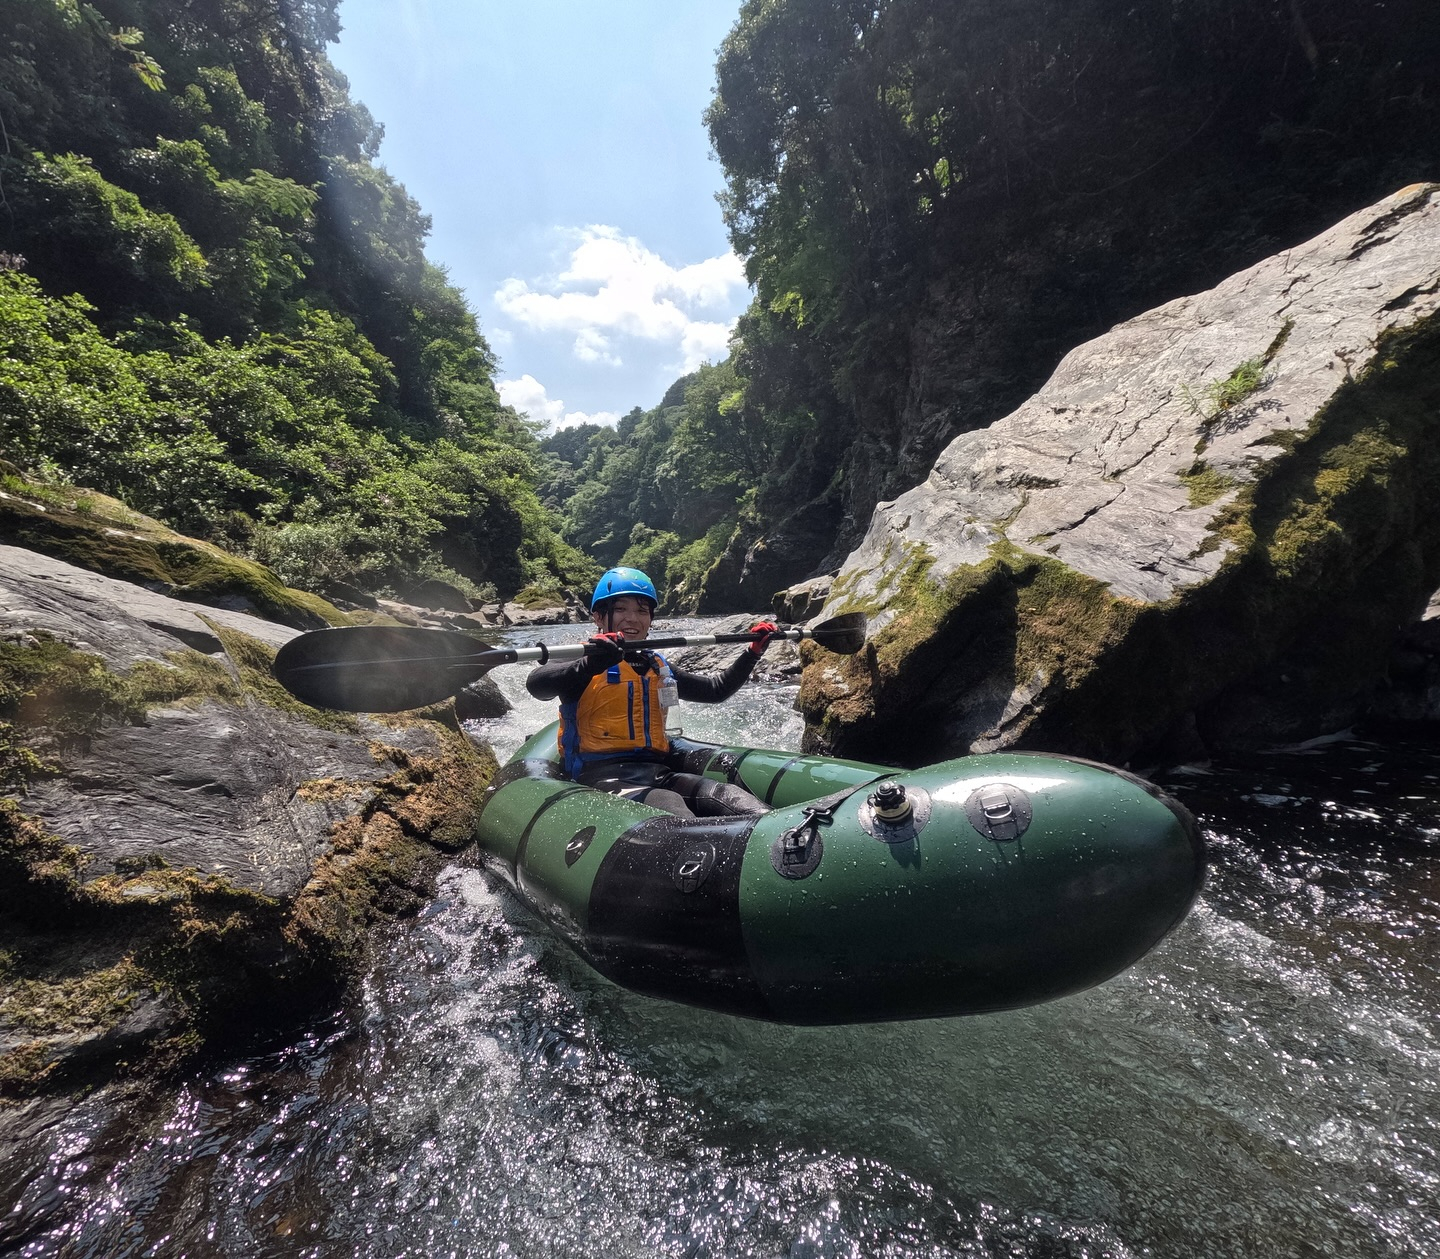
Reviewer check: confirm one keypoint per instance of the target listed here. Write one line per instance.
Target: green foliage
(228, 318)
(77, 205)
(1219, 396)
(663, 481)
(650, 550)
(666, 489)
(686, 570)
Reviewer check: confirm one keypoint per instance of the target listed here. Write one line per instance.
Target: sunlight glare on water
(1262, 1084)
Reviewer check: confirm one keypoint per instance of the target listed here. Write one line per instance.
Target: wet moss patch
(93, 1001)
(1204, 484)
(54, 698)
(253, 660)
(382, 858)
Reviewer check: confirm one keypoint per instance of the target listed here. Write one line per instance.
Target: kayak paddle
(391, 668)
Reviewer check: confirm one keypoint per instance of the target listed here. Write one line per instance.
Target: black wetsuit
(649, 776)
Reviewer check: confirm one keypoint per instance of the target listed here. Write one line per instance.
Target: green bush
(686, 570)
(650, 550)
(282, 447)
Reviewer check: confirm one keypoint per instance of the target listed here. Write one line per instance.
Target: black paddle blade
(380, 668)
(843, 634)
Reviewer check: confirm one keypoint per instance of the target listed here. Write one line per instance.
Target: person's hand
(769, 629)
(604, 650)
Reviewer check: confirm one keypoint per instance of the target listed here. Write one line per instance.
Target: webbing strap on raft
(797, 852)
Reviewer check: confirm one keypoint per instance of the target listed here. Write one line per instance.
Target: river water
(1263, 1084)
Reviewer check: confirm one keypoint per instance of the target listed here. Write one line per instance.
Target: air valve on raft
(894, 813)
(890, 803)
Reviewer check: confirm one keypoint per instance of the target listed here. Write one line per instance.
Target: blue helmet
(624, 581)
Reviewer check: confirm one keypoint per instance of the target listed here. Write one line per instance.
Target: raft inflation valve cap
(890, 803)
(894, 813)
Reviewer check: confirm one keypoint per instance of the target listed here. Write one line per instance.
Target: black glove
(771, 632)
(604, 650)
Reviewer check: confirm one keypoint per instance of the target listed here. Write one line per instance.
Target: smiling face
(625, 614)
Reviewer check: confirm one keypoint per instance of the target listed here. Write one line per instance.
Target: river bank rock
(482, 700)
(546, 614)
(184, 848)
(803, 600)
(1412, 694)
(780, 663)
(93, 531)
(1213, 520)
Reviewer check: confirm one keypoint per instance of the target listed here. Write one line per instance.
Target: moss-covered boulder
(1207, 529)
(99, 533)
(184, 848)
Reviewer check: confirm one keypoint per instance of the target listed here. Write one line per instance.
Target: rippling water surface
(1264, 1084)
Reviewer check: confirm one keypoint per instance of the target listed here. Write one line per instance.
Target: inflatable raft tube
(1014, 878)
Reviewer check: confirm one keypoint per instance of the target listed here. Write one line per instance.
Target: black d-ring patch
(579, 842)
(693, 867)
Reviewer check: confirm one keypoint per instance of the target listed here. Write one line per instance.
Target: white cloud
(615, 287)
(527, 395)
(592, 346)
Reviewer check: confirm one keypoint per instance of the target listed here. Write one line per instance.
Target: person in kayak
(613, 703)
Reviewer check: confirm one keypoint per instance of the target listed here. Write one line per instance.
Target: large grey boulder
(803, 600)
(180, 839)
(1216, 515)
(118, 620)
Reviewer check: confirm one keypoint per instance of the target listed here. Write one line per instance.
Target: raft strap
(796, 852)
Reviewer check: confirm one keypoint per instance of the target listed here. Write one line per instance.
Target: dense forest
(215, 305)
(936, 199)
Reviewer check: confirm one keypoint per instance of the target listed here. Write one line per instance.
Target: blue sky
(557, 146)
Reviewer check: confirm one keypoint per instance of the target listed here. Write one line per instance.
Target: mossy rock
(131, 965)
(99, 533)
(1073, 580)
(536, 598)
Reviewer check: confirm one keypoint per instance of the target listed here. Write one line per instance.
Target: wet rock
(408, 613)
(1412, 693)
(432, 593)
(469, 622)
(481, 700)
(780, 663)
(552, 614)
(178, 826)
(344, 592)
(1220, 508)
(802, 602)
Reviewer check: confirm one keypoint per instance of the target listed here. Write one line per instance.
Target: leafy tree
(228, 316)
(935, 199)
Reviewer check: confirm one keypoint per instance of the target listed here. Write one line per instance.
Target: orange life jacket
(617, 716)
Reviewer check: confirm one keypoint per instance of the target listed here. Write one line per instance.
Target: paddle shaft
(574, 651)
